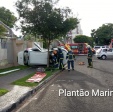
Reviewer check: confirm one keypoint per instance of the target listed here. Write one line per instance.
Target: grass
(22, 81)
(11, 68)
(3, 91)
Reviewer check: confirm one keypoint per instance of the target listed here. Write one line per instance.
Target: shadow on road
(103, 71)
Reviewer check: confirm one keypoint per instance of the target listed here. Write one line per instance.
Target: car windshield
(74, 47)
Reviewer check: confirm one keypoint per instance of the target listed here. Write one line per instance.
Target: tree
(2, 30)
(103, 35)
(43, 18)
(7, 17)
(83, 39)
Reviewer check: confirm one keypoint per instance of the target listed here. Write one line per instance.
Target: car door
(109, 53)
(112, 54)
(38, 57)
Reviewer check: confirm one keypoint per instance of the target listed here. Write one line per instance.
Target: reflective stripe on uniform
(70, 59)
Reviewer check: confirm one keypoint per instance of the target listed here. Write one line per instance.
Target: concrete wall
(8, 55)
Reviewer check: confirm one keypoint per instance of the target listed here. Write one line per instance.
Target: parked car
(98, 47)
(104, 53)
(36, 56)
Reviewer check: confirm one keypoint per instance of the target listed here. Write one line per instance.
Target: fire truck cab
(77, 48)
(111, 44)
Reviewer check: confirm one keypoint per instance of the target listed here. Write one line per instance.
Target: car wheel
(103, 57)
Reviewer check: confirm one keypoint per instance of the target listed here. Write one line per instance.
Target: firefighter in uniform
(54, 60)
(60, 59)
(89, 57)
(70, 57)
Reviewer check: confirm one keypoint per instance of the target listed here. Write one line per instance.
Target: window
(104, 50)
(97, 47)
(74, 47)
(109, 50)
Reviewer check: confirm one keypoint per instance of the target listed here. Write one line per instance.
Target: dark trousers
(90, 62)
(70, 63)
(61, 65)
(56, 65)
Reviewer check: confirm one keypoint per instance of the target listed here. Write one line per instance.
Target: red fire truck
(77, 48)
(111, 44)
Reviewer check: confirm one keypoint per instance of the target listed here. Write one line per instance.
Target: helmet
(88, 46)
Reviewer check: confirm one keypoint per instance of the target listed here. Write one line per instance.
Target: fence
(9, 49)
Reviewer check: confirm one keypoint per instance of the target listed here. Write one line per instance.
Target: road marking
(9, 71)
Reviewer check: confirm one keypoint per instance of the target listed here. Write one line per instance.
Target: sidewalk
(17, 94)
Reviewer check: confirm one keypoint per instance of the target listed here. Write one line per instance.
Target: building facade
(73, 33)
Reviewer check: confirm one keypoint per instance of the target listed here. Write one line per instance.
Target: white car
(36, 56)
(100, 47)
(104, 53)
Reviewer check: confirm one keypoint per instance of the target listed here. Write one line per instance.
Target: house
(4, 44)
(9, 33)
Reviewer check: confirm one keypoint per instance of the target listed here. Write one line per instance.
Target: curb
(29, 93)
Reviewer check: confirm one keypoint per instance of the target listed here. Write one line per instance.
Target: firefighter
(70, 57)
(54, 61)
(60, 59)
(55, 51)
(89, 57)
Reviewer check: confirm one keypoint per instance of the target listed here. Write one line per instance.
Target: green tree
(83, 39)
(103, 35)
(2, 31)
(42, 18)
(7, 17)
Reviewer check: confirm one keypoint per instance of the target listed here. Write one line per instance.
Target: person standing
(70, 57)
(60, 59)
(89, 57)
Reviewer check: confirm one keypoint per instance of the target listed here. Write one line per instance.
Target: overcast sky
(93, 13)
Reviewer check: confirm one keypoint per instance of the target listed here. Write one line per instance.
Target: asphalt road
(56, 96)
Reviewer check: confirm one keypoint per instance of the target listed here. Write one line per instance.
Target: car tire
(103, 57)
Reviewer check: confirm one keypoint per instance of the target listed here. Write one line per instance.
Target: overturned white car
(36, 56)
